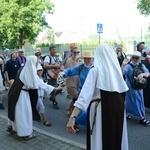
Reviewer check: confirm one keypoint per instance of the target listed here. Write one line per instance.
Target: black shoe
(1, 106)
(144, 121)
(68, 96)
(128, 117)
(55, 105)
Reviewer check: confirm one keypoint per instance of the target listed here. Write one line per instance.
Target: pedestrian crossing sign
(99, 28)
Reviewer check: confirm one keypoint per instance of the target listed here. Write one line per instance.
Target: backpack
(44, 75)
(135, 83)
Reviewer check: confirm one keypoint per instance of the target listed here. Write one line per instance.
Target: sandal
(144, 121)
(10, 129)
(76, 127)
(30, 137)
(47, 123)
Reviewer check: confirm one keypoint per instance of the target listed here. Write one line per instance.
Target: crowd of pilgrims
(28, 82)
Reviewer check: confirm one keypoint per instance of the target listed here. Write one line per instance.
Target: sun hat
(39, 67)
(6, 50)
(20, 50)
(87, 54)
(38, 51)
(136, 53)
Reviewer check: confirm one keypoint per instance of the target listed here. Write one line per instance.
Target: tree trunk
(20, 38)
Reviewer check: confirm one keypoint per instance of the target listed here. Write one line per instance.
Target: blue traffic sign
(99, 28)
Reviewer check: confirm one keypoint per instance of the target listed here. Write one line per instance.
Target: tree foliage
(22, 20)
(144, 7)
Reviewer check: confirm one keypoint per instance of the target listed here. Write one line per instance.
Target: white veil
(28, 74)
(109, 73)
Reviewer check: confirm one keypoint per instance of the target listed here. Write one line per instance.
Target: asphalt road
(138, 135)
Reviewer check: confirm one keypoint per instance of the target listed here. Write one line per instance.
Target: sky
(78, 19)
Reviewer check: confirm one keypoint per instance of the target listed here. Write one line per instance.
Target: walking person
(11, 68)
(72, 82)
(51, 63)
(81, 71)
(134, 101)
(41, 93)
(19, 105)
(141, 48)
(120, 54)
(21, 58)
(6, 55)
(107, 130)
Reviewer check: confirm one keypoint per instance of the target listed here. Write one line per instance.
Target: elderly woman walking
(134, 101)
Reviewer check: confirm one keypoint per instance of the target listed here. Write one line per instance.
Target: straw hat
(136, 53)
(38, 51)
(87, 54)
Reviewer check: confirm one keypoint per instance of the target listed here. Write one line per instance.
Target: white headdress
(109, 77)
(29, 74)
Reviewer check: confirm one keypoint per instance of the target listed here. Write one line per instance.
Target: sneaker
(55, 105)
(144, 121)
(1, 106)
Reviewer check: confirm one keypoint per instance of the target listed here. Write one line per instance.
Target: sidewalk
(44, 140)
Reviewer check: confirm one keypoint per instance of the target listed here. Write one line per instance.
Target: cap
(20, 50)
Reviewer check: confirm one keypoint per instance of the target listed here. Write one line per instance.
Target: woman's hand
(140, 76)
(70, 125)
(125, 61)
(146, 74)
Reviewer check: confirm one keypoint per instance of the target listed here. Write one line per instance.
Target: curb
(70, 142)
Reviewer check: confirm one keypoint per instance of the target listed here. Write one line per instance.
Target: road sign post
(99, 30)
(99, 38)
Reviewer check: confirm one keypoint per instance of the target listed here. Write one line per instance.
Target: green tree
(22, 20)
(144, 7)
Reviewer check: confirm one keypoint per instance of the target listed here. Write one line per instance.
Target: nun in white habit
(23, 112)
(104, 82)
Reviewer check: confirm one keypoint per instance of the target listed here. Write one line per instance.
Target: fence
(61, 48)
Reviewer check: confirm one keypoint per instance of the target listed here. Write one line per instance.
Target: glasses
(76, 52)
(38, 54)
(136, 58)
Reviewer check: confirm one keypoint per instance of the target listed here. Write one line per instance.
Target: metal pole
(141, 34)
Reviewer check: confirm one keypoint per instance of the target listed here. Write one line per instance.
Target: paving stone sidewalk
(41, 142)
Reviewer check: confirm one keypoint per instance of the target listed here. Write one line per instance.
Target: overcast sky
(83, 15)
